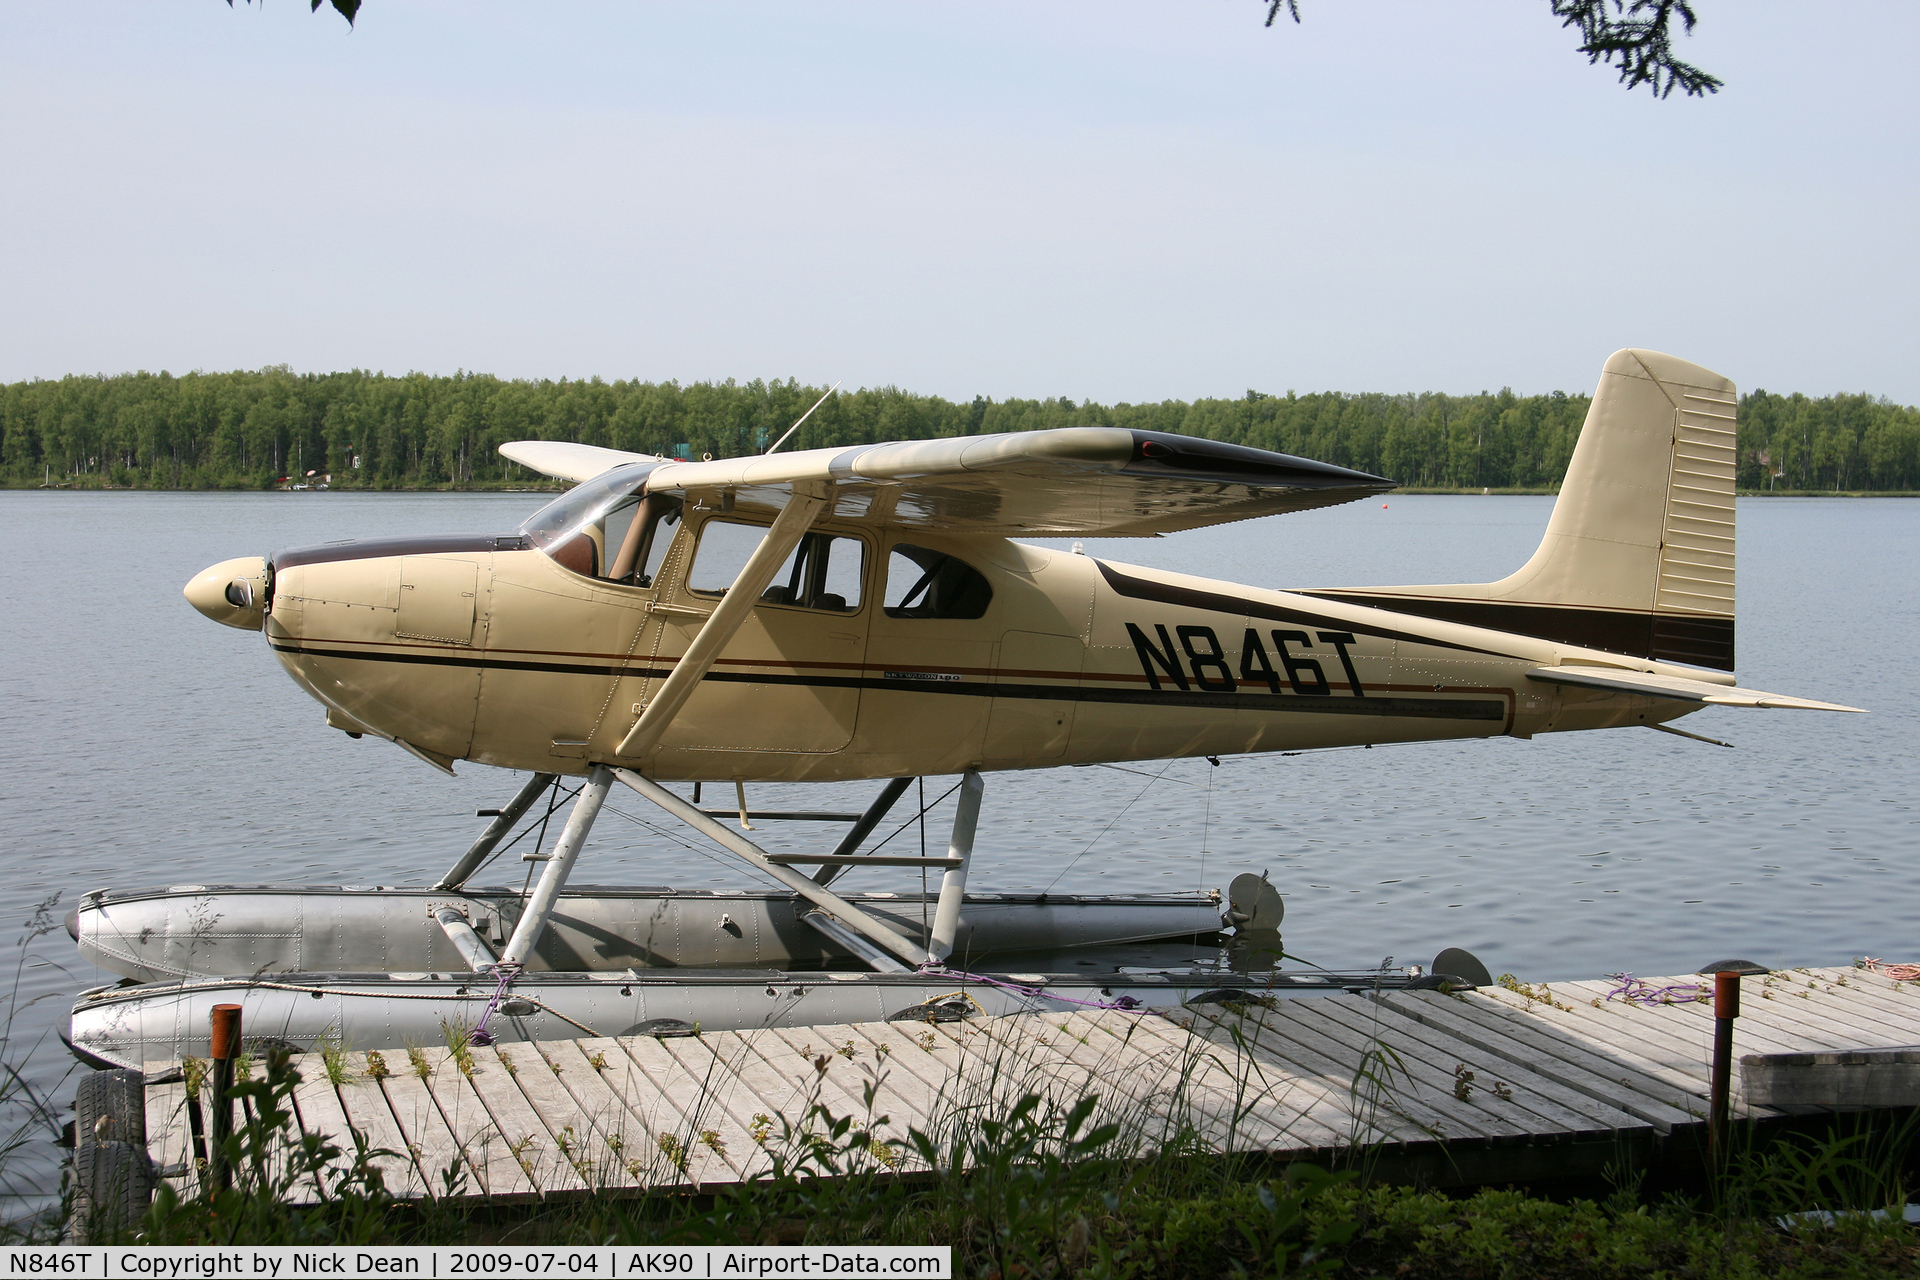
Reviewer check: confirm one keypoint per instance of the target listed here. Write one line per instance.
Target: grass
(27, 1111)
(1024, 1180)
(1043, 1190)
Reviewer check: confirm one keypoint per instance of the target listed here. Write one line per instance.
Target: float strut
(846, 913)
(496, 832)
(460, 933)
(850, 842)
(533, 921)
(953, 885)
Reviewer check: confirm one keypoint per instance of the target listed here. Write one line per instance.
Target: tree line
(266, 427)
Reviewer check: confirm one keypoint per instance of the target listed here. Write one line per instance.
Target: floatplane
(868, 613)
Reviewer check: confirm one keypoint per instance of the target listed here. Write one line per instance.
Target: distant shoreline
(552, 491)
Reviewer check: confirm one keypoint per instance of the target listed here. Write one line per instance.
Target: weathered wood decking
(1562, 1078)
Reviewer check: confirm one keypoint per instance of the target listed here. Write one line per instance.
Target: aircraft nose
(232, 593)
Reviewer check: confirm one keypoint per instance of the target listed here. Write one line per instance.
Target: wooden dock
(1498, 1084)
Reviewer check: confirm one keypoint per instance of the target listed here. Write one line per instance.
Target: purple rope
(1643, 993)
(506, 973)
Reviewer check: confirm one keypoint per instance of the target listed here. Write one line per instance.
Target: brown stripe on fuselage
(1691, 638)
(1498, 708)
(1218, 602)
(630, 666)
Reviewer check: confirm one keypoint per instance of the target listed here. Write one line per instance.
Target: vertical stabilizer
(1638, 554)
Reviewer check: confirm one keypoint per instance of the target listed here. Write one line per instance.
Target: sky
(1106, 201)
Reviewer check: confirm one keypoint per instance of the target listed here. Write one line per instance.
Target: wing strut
(733, 610)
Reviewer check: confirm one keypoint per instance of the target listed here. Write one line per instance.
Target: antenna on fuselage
(803, 417)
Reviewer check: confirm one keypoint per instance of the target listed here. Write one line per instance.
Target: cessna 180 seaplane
(865, 613)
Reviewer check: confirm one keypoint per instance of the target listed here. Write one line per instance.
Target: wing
(568, 461)
(1676, 688)
(1094, 481)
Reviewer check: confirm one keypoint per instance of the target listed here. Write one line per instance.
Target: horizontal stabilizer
(1677, 688)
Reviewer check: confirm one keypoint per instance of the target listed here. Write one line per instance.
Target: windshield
(584, 504)
(588, 529)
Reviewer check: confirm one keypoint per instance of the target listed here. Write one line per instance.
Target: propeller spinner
(233, 592)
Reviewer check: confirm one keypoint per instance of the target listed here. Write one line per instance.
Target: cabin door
(790, 679)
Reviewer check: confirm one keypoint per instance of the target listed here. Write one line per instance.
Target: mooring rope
(506, 972)
(1898, 972)
(1643, 993)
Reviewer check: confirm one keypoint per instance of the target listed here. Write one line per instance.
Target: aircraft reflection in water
(855, 613)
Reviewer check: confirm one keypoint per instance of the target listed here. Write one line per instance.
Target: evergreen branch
(1634, 33)
(1642, 45)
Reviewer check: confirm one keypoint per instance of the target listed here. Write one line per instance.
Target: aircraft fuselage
(492, 649)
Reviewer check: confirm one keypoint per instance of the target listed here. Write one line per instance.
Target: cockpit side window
(644, 542)
(922, 583)
(824, 572)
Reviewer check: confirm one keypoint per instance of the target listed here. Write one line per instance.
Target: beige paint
(507, 658)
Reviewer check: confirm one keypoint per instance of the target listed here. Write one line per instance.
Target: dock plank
(1892, 1007)
(671, 1134)
(1317, 1064)
(1168, 1084)
(912, 1073)
(1328, 1104)
(705, 1118)
(1135, 1083)
(487, 1149)
(1561, 1070)
(528, 1139)
(1898, 1000)
(432, 1144)
(853, 1064)
(1421, 1091)
(169, 1135)
(713, 1062)
(594, 1114)
(317, 1110)
(1781, 1030)
(1853, 1013)
(1653, 1096)
(364, 1103)
(1267, 1109)
(608, 1145)
(572, 1133)
(1536, 1105)
(1635, 1034)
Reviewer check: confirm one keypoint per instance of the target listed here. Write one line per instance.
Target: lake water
(144, 745)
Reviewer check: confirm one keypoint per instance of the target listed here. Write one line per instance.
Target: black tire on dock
(113, 1185)
(116, 1097)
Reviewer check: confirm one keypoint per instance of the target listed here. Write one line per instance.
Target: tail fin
(1638, 555)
